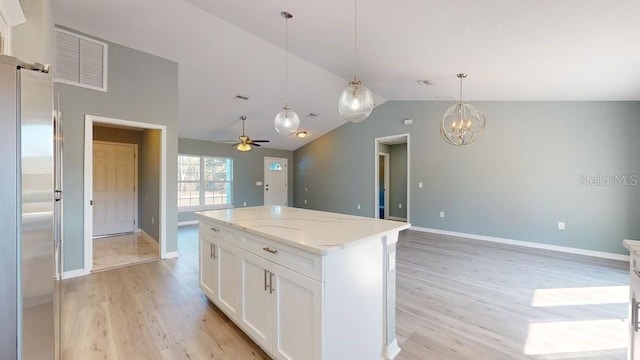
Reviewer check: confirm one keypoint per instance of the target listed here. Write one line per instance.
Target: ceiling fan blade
(254, 144)
(225, 141)
(262, 141)
(236, 144)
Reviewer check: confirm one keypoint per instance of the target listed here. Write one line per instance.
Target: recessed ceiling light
(301, 134)
(426, 82)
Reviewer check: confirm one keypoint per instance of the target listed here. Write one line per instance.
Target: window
(204, 182)
(80, 61)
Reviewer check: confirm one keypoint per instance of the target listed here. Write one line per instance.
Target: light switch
(258, 183)
(561, 225)
(420, 185)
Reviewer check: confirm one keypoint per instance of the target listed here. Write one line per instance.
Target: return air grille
(80, 61)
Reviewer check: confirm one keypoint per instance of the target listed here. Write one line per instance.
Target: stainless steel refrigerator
(30, 213)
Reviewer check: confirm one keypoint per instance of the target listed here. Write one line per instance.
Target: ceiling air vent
(241, 97)
(80, 61)
(426, 82)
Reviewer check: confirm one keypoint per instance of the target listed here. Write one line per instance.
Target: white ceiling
(512, 50)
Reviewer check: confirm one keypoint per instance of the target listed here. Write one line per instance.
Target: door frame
(386, 183)
(376, 151)
(89, 121)
(135, 177)
(264, 177)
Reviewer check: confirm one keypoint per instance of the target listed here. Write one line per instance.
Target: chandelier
(462, 123)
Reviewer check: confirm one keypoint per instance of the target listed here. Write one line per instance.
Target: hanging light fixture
(462, 123)
(286, 121)
(356, 100)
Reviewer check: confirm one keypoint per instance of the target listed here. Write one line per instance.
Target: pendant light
(356, 100)
(286, 121)
(462, 123)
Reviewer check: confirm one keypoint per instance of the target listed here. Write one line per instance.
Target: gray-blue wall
(142, 88)
(398, 180)
(537, 163)
(248, 168)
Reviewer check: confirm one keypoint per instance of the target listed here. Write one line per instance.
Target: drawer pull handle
(270, 250)
(215, 229)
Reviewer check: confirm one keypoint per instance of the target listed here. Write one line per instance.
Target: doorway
(392, 180)
(275, 181)
(125, 210)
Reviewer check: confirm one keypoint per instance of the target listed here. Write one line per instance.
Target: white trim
(376, 151)
(171, 255)
(392, 350)
(88, 183)
(186, 223)
(74, 274)
(387, 182)
(12, 12)
(205, 208)
(529, 244)
(5, 29)
(135, 177)
(105, 62)
(396, 218)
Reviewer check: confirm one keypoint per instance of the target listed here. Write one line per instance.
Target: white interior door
(114, 192)
(275, 181)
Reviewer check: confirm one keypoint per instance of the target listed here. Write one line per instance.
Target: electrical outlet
(561, 225)
(306, 189)
(244, 203)
(305, 201)
(358, 206)
(441, 214)
(420, 185)
(400, 206)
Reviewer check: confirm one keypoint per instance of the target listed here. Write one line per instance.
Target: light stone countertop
(314, 231)
(632, 245)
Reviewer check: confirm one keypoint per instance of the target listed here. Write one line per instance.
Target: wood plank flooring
(457, 299)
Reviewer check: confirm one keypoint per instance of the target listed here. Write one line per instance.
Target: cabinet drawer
(215, 231)
(289, 257)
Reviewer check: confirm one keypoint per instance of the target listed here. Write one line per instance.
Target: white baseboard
(396, 218)
(392, 350)
(74, 274)
(171, 255)
(192, 222)
(529, 244)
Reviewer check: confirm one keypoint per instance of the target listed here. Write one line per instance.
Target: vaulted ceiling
(513, 50)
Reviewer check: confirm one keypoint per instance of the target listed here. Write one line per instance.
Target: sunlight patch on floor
(576, 336)
(581, 296)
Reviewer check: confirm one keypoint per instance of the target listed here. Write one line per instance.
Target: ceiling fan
(244, 142)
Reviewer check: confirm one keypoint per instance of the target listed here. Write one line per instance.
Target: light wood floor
(457, 299)
(121, 250)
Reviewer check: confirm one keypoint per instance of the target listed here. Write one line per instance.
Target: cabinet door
(256, 308)
(297, 308)
(208, 268)
(227, 292)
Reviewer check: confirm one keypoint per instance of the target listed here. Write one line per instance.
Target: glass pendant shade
(462, 124)
(243, 147)
(356, 102)
(287, 121)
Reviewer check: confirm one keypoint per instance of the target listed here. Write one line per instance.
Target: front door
(114, 193)
(275, 181)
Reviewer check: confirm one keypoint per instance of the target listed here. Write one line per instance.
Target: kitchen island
(303, 284)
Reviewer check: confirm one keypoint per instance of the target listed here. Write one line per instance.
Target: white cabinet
(208, 268)
(227, 292)
(256, 315)
(297, 315)
(297, 302)
(281, 309)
